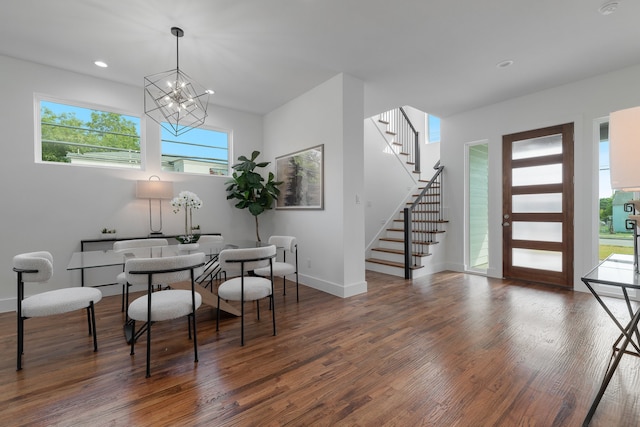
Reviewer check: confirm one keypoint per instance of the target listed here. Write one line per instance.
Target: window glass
(537, 175)
(87, 136)
(200, 150)
(433, 131)
(536, 147)
(545, 202)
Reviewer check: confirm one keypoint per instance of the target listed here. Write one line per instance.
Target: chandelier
(173, 99)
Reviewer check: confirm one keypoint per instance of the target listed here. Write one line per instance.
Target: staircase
(410, 235)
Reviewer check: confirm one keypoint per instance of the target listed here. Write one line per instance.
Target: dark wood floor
(446, 350)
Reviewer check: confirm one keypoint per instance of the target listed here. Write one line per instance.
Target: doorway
(537, 205)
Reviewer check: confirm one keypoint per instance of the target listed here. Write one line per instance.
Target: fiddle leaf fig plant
(250, 188)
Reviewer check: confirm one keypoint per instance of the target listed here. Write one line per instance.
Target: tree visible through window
(200, 151)
(85, 136)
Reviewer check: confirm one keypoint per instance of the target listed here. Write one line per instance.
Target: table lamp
(624, 162)
(154, 189)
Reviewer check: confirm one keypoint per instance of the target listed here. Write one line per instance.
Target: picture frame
(302, 176)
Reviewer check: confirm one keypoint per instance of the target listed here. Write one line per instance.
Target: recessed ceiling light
(505, 64)
(609, 7)
(101, 64)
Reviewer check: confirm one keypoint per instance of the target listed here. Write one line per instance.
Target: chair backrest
(251, 258)
(288, 243)
(139, 243)
(165, 270)
(208, 238)
(41, 262)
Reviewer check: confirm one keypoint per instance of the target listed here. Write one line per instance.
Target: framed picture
(302, 174)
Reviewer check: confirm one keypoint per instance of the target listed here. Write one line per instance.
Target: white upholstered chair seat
(254, 288)
(279, 269)
(165, 305)
(59, 301)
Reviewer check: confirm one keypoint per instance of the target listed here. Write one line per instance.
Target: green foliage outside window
(100, 138)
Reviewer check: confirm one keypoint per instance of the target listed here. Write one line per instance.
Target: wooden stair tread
(391, 239)
(397, 251)
(385, 122)
(388, 132)
(391, 263)
(425, 221)
(401, 230)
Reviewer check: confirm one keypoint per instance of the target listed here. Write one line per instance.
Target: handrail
(416, 143)
(420, 225)
(405, 135)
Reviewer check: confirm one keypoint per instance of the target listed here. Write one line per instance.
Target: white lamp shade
(624, 149)
(154, 190)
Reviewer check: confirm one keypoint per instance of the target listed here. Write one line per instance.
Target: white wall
(331, 241)
(53, 206)
(388, 183)
(581, 102)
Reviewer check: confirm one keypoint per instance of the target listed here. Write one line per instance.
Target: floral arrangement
(187, 201)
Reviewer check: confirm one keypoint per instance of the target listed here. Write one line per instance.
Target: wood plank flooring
(445, 350)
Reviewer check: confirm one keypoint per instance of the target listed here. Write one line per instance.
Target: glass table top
(615, 270)
(105, 258)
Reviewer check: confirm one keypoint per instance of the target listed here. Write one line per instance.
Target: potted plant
(187, 201)
(250, 188)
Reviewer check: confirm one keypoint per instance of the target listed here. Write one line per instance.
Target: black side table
(618, 271)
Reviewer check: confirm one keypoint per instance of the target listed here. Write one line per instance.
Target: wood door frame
(565, 277)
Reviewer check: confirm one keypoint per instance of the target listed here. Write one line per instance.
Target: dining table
(104, 258)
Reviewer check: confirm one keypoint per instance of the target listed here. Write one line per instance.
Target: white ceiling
(438, 56)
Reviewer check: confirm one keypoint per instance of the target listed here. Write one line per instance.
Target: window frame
(38, 98)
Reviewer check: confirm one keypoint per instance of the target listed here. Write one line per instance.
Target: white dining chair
(165, 304)
(124, 245)
(37, 267)
(246, 287)
(288, 245)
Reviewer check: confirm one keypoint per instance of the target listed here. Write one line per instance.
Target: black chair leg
(133, 336)
(273, 313)
(123, 291)
(218, 315)
(242, 320)
(92, 309)
(195, 337)
(148, 349)
(20, 341)
(89, 318)
(284, 286)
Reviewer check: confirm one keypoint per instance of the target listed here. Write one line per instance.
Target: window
(86, 136)
(477, 190)
(614, 237)
(433, 128)
(200, 151)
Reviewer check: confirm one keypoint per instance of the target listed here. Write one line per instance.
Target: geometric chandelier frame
(173, 99)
